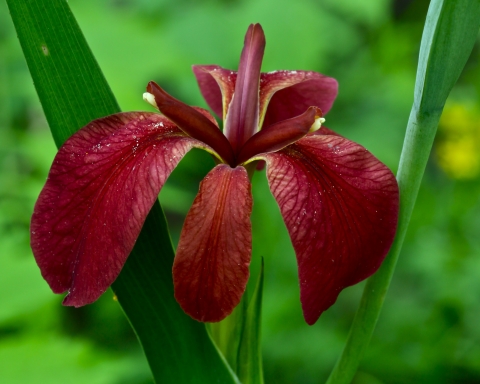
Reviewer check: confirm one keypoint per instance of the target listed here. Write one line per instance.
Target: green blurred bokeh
(428, 331)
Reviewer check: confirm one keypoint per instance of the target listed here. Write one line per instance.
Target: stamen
(317, 124)
(150, 99)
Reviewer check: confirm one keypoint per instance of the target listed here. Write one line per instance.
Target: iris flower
(339, 203)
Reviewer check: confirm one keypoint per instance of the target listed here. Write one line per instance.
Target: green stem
(450, 32)
(412, 165)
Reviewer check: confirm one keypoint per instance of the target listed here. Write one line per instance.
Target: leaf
(249, 361)
(238, 336)
(448, 37)
(73, 91)
(451, 30)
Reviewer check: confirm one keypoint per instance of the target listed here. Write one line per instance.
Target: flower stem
(449, 35)
(416, 152)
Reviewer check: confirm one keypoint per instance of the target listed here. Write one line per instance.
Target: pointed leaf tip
(210, 270)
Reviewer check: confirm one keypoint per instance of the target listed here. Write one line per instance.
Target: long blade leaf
(73, 91)
(249, 361)
(448, 37)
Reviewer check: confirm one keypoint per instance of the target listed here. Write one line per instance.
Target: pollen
(317, 124)
(150, 99)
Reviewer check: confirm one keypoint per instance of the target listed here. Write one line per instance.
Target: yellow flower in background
(458, 145)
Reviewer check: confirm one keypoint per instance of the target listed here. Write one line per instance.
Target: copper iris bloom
(339, 203)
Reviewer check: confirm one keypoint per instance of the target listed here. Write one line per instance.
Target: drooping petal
(241, 121)
(279, 135)
(210, 270)
(217, 85)
(191, 121)
(101, 186)
(286, 94)
(340, 206)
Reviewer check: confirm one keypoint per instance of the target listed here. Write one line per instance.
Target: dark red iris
(339, 203)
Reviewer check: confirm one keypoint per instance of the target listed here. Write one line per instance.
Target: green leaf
(238, 336)
(73, 91)
(227, 333)
(449, 34)
(249, 361)
(451, 29)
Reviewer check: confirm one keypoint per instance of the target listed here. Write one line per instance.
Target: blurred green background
(429, 330)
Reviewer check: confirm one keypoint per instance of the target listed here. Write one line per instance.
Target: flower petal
(340, 206)
(101, 186)
(286, 94)
(241, 121)
(325, 131)
(210, 270)
(193, 122)
(279, 135)
(217, 85)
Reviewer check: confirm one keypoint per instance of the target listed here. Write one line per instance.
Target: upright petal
(210, 270)
(241, 121)
(217, 85)
(286, 94)
(101, 186)
(340, 206)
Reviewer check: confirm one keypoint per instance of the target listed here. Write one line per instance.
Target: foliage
(428, 330)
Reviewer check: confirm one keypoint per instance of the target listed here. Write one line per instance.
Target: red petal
(210, 270)
(195, 123)
(325, 131)
(340, 206)
(217, 85)
(286, 94)
(279, 135)
(242, 119)
(101, 186)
